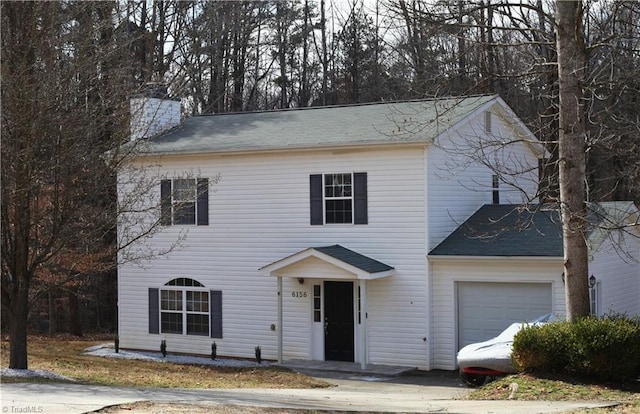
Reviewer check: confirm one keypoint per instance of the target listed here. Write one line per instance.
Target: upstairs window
(184, 201)
(339, 198)
(495, 184)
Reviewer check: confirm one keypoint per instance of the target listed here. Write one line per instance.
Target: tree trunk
(75, 324)
(304, 95)
(572, 145)
(52, 313)
(325, 61)
(18, 326)
(462, 51)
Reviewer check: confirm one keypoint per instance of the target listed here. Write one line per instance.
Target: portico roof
(328, 262)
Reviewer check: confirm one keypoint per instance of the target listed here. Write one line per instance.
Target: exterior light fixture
(592, 281)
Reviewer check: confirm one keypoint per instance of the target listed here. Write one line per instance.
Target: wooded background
(68, 69)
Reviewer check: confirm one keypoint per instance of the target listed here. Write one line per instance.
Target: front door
(338, 321)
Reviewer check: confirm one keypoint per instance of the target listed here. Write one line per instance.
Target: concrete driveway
(423, 393)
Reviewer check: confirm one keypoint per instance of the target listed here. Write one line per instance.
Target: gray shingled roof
(505, 230)
(354, 259)
(535, 230)
(365, 124)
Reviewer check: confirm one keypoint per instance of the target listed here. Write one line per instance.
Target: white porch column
(280, 335)
(363, 324)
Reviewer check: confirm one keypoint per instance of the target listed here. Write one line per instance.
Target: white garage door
(486, 309)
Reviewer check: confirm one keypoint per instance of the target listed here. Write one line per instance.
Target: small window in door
(317, 311)
(359, 306)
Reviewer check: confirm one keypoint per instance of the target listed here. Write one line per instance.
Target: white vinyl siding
(259, 213)
(448, 273)
(618, 275)
(459, 182)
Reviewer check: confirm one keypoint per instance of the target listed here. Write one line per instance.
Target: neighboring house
(308, 232)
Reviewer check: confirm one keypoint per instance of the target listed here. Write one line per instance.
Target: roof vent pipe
(153, 111)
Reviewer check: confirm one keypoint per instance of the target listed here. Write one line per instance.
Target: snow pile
(32, 373)
(107, 350)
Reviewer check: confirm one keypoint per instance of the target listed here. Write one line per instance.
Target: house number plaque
(298, 294)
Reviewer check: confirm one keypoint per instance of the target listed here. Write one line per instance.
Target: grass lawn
(63, 355)
(563, 389)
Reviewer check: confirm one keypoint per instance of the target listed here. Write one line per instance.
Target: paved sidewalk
(352, 394)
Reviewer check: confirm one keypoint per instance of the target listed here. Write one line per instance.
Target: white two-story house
(334, 233)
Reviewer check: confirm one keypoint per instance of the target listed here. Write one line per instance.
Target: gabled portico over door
(330, 263)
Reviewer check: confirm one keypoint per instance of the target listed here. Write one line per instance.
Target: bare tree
(65, 116)
(46, 170)
(561, 69)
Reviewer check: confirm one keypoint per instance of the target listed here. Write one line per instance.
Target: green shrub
(607, 348)
(542, 348)
(603, 348)
(214, 351)
(116, 344)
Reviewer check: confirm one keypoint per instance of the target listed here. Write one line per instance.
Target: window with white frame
(339, 198)
(184, 306)
(184, 201)
(317, 303)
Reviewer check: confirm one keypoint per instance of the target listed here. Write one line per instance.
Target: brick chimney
(153, 112)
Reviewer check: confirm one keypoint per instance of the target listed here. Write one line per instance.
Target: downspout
(280, 335)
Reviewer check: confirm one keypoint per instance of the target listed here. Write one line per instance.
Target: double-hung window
(184, 201)
(339, 198)
(184, 306)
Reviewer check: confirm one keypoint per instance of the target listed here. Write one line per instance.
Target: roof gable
(330, 257)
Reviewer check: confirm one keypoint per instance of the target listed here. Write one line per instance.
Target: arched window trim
(184, 282)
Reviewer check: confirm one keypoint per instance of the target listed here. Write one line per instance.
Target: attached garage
(503, 265)
(485, 309)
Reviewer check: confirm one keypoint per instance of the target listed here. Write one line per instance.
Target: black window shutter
(215, 313)
(154, 311)
(360, 214)
(203, 202)
(316, 199)
(165, 202)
